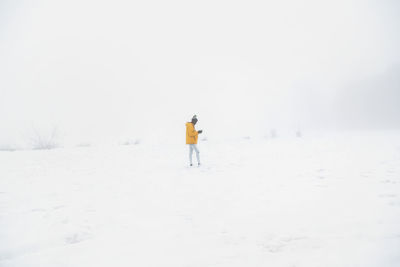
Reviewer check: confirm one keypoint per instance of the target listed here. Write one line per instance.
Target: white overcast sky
(137, 68)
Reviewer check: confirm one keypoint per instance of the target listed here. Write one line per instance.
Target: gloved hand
(199, 131)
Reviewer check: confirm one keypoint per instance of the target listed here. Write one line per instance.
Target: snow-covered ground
(327, 201)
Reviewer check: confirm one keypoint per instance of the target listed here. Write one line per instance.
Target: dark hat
(194, 118)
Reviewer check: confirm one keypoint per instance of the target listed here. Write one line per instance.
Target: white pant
(191, 148)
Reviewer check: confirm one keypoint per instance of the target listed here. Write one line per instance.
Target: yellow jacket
(191, 134)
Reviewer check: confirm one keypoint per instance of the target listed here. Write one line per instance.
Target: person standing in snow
(191, 139)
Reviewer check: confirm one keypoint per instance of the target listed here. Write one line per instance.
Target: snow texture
(303, 202)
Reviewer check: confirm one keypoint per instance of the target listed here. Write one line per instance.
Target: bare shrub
(41, 141)
(8, 147)
(84, 145)
(131, 142)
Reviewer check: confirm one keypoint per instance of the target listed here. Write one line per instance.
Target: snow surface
(327, 201)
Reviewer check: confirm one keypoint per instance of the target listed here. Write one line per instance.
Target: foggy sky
(127, 69)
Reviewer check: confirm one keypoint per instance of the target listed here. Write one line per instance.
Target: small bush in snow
(84, 145)
(131, 142)
(8, 147)
(40, 141)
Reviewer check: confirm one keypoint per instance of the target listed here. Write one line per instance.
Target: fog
(114, 70)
